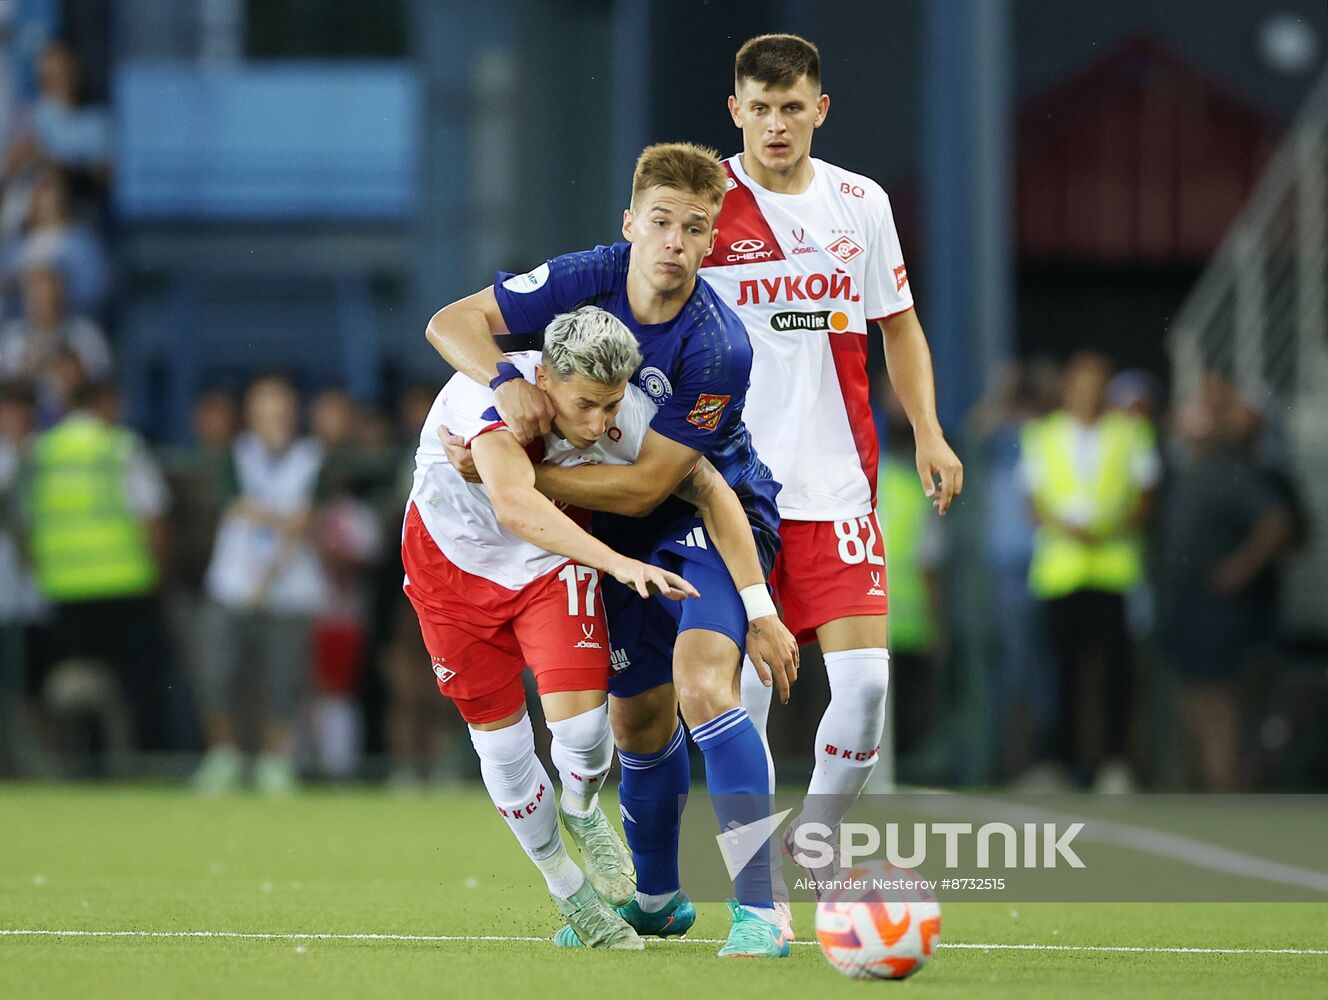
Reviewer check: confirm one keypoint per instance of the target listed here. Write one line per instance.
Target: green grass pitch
(136, 859)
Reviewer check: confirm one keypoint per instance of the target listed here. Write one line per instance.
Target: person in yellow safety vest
(1090, 476)
(93, 499)
(912, 624)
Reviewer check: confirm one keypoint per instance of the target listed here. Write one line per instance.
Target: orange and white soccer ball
(872, 930)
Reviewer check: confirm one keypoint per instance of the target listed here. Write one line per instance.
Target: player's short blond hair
(777, 61)
(684, 166)
(591, 343)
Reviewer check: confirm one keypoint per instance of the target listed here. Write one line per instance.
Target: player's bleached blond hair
(591, 343)
(777, 61)
(681, 165)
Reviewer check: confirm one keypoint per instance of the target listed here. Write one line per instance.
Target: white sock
(561, 874)
(756, 699)
(766, 913)
(848, 740)
(655, 903)
(582, 751)
(523, 792)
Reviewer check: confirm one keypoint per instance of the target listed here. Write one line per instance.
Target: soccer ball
(871, 930)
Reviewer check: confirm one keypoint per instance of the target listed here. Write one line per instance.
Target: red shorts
(481, 636)
(826, 570)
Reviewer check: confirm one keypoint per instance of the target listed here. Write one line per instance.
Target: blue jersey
(695, 368)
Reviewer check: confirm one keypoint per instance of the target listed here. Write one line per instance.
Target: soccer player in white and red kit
(808, 257)
(501, 578)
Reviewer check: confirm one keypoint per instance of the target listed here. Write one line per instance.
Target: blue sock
(739, 784)
(651, 792)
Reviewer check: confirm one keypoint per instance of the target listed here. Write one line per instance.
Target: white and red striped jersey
(459, 515)
(808, 274)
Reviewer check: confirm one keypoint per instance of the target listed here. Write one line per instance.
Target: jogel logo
(589, 641)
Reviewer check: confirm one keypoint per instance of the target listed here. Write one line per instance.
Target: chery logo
(747, 246)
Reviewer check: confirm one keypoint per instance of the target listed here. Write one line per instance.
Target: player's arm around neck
(634, 490)
(509, 477)
(908, 360)
(462, 333)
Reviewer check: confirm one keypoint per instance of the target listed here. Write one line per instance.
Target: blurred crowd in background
(1100, 611)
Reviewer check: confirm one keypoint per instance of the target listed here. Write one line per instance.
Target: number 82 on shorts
(859, 541)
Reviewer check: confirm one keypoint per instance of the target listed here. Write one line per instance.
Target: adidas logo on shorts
(694, 539)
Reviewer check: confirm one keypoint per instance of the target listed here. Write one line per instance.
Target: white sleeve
(470, 405)
(92, 348)
(145, 487)
(470, 408)
(887, 291)
(1147, 467)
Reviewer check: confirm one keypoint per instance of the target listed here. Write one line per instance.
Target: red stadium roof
(1141, 158)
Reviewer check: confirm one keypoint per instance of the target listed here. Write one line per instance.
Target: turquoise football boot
(675, 919)
(592, 923)
(752, 937)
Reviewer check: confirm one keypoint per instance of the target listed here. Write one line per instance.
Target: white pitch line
(435, 938)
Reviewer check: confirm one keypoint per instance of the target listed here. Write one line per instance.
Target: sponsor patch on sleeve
(707, 411)
(901, 277)
(529, 282)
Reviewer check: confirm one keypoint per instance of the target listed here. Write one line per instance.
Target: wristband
(506, 372)
(756, 599)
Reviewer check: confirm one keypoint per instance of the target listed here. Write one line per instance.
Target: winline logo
(824, 319)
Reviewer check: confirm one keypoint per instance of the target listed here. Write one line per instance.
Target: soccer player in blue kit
(696, 365)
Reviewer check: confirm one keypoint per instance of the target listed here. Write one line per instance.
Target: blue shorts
(642, 632)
